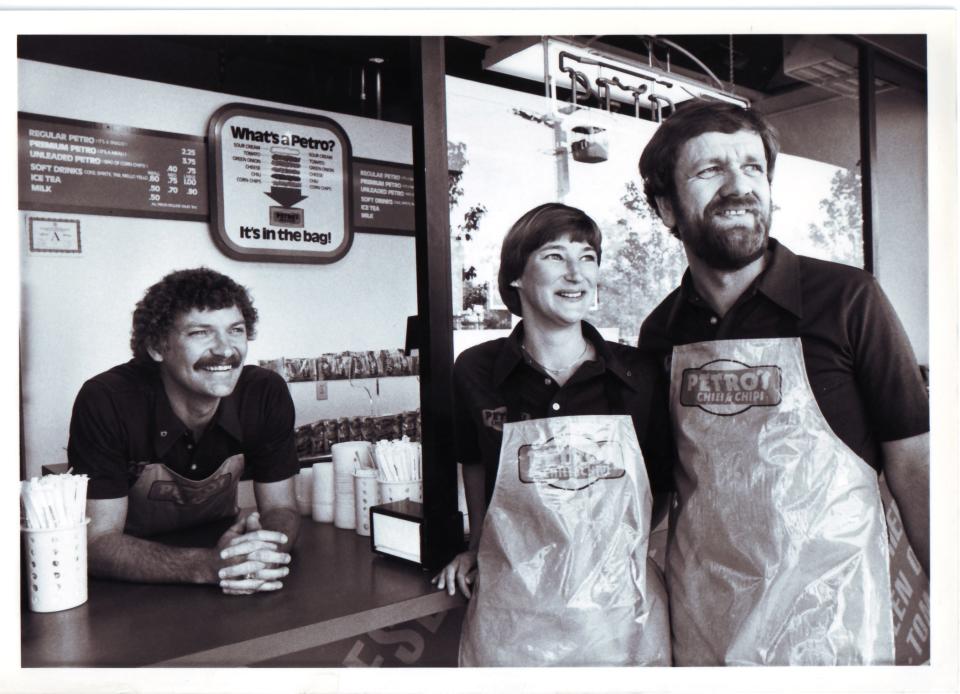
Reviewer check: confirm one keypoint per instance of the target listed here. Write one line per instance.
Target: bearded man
(793, 386)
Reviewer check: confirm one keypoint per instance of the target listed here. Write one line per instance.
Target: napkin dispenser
(396, 530)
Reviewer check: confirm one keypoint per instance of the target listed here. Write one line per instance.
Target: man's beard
(726, 247)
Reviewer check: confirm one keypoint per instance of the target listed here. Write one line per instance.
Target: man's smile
(217, 366)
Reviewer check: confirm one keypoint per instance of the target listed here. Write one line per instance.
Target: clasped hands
(249, 558)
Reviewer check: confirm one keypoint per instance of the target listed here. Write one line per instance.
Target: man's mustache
(233, 362)
(739, 202)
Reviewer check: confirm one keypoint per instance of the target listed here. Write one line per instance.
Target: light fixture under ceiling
(589, 72)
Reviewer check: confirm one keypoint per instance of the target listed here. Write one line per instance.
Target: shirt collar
(779, 282)
(168, 428)
(512, 354)
(228, 416)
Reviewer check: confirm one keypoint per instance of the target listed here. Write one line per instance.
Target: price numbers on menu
(178, 178)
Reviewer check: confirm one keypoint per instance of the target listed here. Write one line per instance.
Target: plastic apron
(778, 545)
(161, 500)
(563, 574)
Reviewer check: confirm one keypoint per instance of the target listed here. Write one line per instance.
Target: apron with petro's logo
(778, 545)
(161, 500)
(563, 575)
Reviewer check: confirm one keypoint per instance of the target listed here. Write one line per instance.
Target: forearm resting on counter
(284, 520)
(129, 558)
(277, 504)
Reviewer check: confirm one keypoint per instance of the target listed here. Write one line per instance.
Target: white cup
(304, 487)
(322, 513)
(347, 457)
(323, 493)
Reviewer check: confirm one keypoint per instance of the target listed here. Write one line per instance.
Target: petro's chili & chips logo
(727, 387)
(571, 465)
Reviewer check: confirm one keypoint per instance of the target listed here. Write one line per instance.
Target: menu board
(97, 168)
(298, 198)
(281, 182)
(383, 196)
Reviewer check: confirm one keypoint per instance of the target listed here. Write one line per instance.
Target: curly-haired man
(166, 437)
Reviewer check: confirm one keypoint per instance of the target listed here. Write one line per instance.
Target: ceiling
(338, 73)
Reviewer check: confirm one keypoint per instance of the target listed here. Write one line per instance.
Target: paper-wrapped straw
(53, 501)
(398, 461)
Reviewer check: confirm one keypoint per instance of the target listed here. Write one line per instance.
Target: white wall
(76, 310)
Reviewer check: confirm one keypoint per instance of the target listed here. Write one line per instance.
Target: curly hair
(692, 119)
(536, 227)
(179, 292)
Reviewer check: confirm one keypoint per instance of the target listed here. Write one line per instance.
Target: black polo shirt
(122, 420)
(497, 381)
(859, 362)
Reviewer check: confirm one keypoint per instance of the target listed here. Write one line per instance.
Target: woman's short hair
(536, 227)
(178, 293)
(692, 119)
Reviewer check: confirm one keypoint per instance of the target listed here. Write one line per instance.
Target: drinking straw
(53, 501)
(398, 461)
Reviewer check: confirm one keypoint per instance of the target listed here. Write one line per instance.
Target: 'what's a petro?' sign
(282, 185)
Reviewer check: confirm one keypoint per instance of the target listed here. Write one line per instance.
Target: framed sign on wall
(280, 185)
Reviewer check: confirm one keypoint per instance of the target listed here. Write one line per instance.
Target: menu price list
(99, 168)
(383, 196)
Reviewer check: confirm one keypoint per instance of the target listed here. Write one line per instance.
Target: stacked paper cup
(347, 457)
(304, 487)
(323, 492)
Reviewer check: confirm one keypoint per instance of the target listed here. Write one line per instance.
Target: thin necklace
(560, 370)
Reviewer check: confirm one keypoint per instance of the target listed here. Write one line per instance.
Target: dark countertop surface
(337, 588)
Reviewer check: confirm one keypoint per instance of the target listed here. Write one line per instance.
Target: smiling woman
(556, 378)
(556, 284)
(559, 282)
